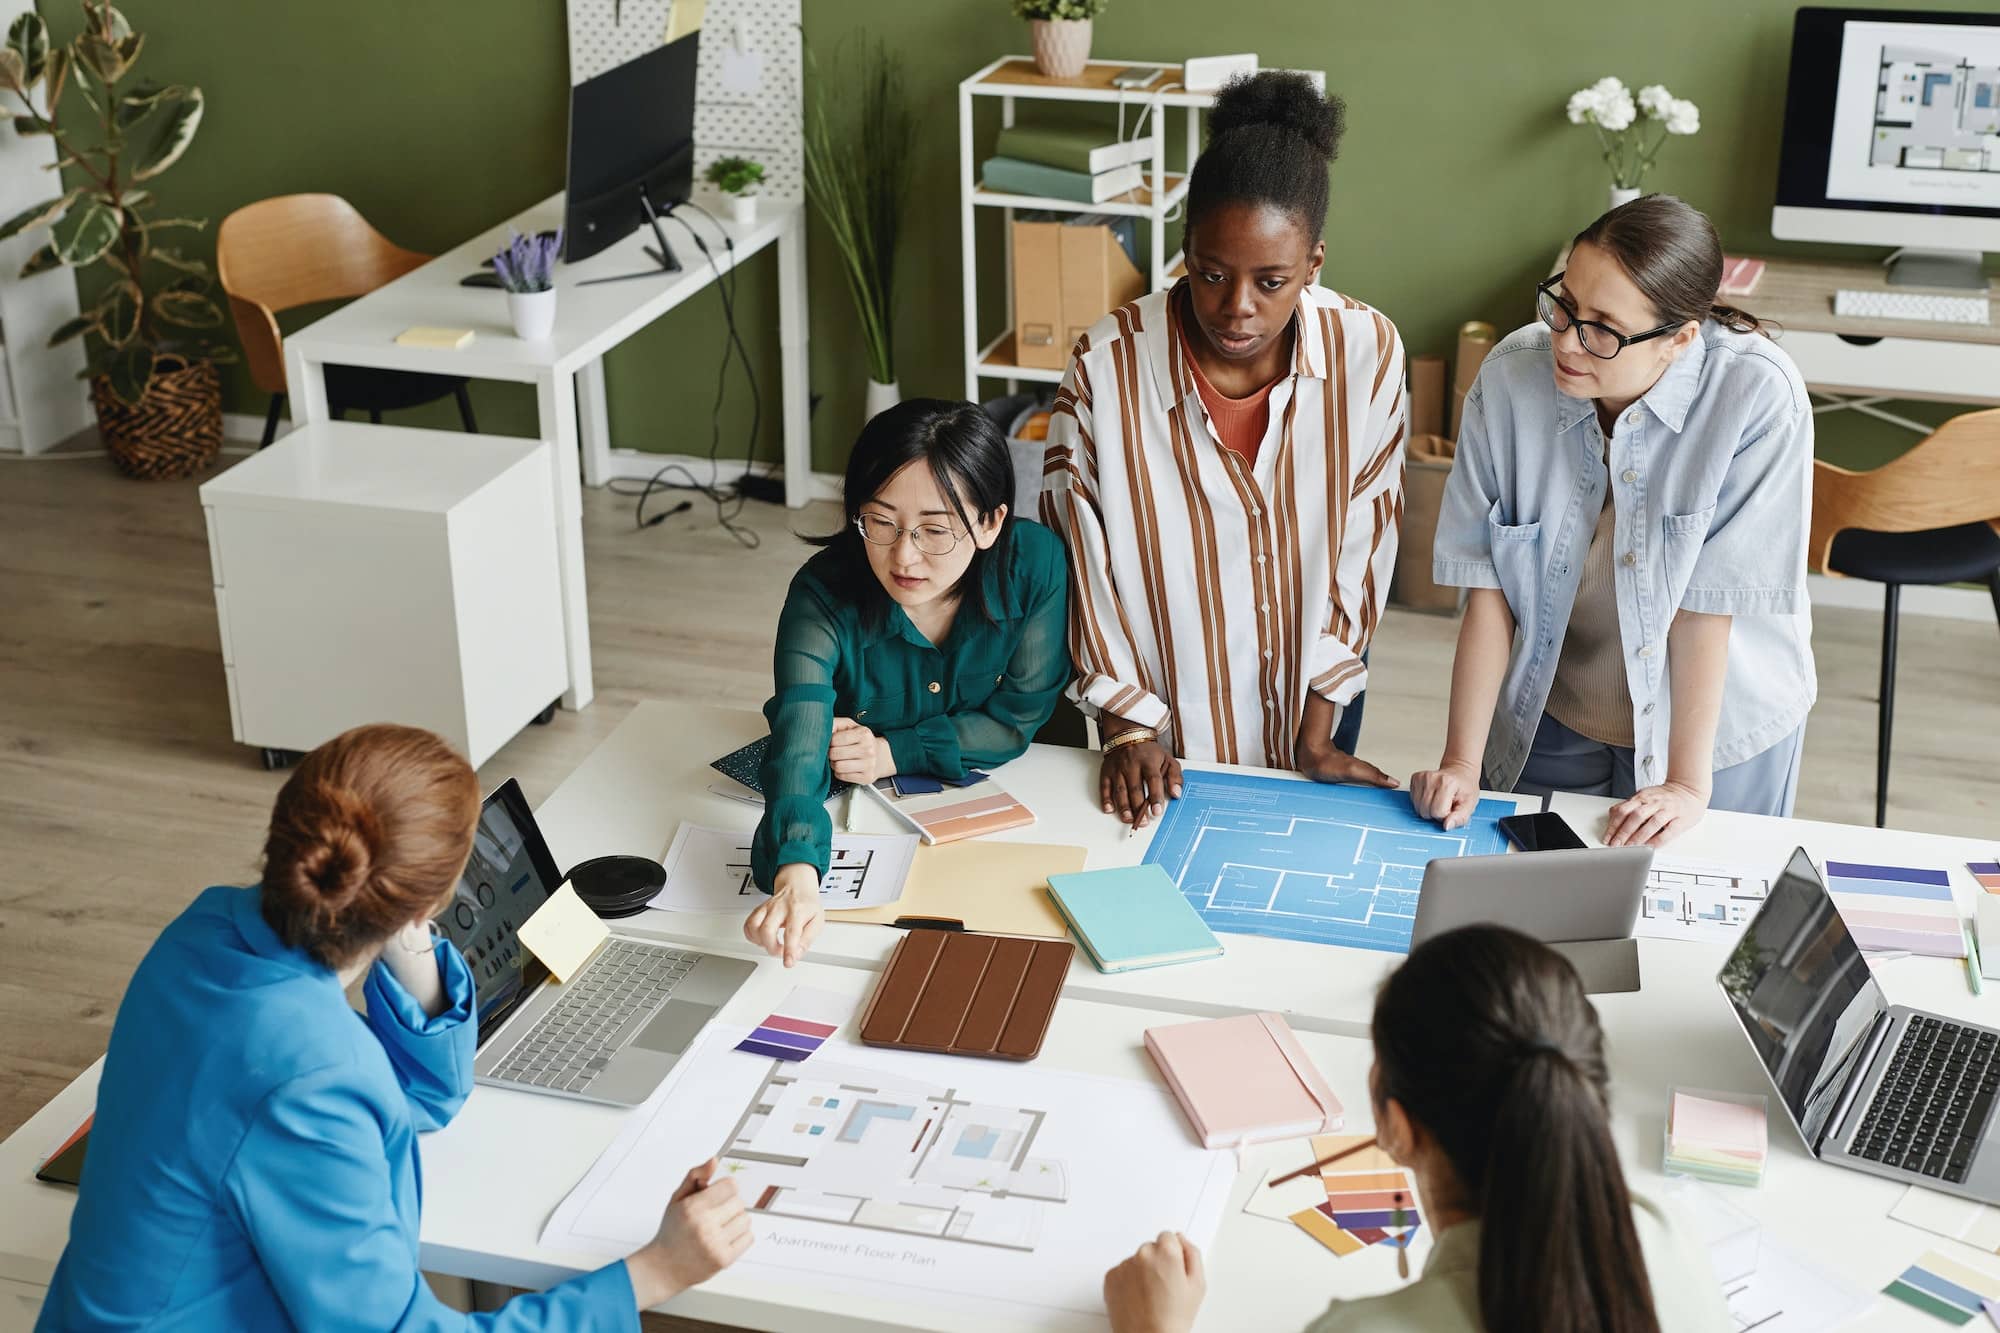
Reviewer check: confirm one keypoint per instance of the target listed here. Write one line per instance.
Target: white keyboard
(1913, 305)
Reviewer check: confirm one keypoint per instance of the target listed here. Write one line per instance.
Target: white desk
(590, 321)
(486, 1200)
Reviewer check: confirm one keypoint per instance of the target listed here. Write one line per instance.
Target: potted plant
(527, 270)
(858, 153)
(1608, 107)
(1060, 31)
(737, 177)
(151, 360)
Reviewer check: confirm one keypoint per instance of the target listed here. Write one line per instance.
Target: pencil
(1972, 968)
(1321, 1164)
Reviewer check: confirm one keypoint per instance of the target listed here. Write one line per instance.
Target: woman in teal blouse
(928, 637)
(254, 1163)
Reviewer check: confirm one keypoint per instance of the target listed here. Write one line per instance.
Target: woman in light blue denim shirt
(1639, 402)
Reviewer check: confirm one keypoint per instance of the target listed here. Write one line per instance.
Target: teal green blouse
(974, 701)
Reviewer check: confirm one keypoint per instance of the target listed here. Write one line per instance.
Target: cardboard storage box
(1067, 274)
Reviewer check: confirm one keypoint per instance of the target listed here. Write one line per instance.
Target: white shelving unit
(1014, 79)
(42, 402)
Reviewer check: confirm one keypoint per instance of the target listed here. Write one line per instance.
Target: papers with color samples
(1987, 873)
(1897, 907)
(1941, 1286)
(799, 1026)
(1361, 1198)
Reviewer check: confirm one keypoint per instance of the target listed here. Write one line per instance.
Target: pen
(847, 813)
(1971, 959)
(1399, 1222)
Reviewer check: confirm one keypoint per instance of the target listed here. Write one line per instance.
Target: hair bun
(335, 864)
(1285, 100)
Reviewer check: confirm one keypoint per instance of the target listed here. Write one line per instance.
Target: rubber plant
(157, 302)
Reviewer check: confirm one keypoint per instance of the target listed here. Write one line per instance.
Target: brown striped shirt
(1209, 594)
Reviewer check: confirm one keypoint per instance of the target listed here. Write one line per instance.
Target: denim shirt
(1711, 489)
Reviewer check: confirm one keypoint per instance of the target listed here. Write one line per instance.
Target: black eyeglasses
(1600, 340)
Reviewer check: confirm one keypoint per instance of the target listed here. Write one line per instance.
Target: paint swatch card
(1368, 1198)
(1952, 1291)
(1897, 907)
(1987, 873)
(798, 1027)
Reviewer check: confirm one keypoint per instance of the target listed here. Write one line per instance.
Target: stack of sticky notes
(1132, 916)
(1715, 1136)
(1897, 907)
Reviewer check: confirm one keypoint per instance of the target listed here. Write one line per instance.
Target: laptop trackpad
(1606, 966)
(674, 1026)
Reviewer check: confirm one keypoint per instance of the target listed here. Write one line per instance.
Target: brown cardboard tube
(1475, 340)
(1427, 395)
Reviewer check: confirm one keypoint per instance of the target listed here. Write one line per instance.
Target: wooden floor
(121, 794)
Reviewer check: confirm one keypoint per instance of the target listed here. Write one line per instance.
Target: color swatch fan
(1897, 907)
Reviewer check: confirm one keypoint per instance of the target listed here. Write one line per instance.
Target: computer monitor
(1892, 137)
(631, 148)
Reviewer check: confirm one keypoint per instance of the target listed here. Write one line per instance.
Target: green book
(1006, 175)
(1072, 148)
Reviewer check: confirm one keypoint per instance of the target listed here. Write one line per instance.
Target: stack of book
(1077, 163)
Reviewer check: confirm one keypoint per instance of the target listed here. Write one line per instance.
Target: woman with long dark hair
(926, 637)
(1629, 508)
(1225, 464)
(1489, 1084)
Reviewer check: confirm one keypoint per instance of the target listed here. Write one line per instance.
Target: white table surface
(486, 1199)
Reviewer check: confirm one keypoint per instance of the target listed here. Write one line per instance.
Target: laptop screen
(507, 877)
(1804, 995)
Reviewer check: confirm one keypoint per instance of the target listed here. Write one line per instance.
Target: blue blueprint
(1306, 861)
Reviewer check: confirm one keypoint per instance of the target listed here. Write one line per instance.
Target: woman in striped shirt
(1225, 465)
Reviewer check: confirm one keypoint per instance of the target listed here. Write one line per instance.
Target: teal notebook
(1132, 916)
(1008, 176)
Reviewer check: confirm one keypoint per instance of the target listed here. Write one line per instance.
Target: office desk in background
(485, 1200)
(590, 321)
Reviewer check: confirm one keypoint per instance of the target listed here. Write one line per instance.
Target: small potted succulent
(1060, 30)
(737, 177)
(527, 269)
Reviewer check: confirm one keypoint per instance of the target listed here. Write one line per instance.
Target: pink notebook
(1244, 1080)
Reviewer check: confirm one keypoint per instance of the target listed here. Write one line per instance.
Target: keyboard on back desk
(1931, 1107)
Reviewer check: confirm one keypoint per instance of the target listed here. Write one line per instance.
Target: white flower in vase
(1683, 117)
(1630, 147)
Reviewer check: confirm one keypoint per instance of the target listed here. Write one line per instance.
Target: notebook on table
(1244, 1080)
(957, 993)
(740, 768)
(939, 811)
(1130, 917)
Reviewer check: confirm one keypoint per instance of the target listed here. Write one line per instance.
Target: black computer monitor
(631, 147)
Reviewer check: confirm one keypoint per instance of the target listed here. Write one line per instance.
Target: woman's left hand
(1324, 763)
(857, 754)
(1655, 816)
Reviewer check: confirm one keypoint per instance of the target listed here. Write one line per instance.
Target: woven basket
(174, 431)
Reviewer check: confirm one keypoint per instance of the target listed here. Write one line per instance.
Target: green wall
(1458, 179)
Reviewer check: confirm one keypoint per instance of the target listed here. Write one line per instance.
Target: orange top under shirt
(1239, 422)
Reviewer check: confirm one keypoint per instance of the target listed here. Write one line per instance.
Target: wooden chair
(1928, 517)
(298, 249)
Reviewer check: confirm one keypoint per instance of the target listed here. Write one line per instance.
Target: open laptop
(613, 1030)
(1581, 902)
(1881, 1088)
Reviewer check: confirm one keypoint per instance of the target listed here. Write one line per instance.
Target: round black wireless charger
(617, 886)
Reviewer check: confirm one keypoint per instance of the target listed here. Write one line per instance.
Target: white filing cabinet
(382, 574)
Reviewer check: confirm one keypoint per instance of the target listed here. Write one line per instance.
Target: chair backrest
(291, 251)
(1951, 477)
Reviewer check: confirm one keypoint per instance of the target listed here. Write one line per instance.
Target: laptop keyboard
(1931, 1107)
(571, 1043)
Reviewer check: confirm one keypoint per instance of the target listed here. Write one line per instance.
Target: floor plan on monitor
(855, 1148)
(1308, 861)
(1935, 111)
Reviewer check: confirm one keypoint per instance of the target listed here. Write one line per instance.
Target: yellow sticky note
(423, 335)
(1324, 1230)
(563, 933)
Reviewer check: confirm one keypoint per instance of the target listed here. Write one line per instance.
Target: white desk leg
(797, 405)
(555, 396)
(305, 388)
(593, 424)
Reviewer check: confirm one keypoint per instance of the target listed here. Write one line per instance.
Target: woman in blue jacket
(254, 1162)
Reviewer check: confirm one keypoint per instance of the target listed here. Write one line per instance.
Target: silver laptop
(612, 1031)
(1581, 902)
(1879, 1087)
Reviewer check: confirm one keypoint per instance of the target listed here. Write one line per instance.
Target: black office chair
(1924, 518)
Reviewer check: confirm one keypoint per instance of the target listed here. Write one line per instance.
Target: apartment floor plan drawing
(843, 885)
(1693, 900)
(1935, 111)
(858, 1148)
(1308, 861)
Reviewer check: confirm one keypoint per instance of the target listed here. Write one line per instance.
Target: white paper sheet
(1961, 1219)
(1698, 900)
(1308, 1191)
(970, 1184)
(1767, 1286)
(708, 870)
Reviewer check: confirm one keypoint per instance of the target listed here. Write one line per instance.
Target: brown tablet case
(957, 993)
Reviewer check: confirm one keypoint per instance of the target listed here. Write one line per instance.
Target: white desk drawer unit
(1933, 368)
(382, 574)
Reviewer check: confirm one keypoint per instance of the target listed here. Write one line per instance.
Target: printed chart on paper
(1308, 861)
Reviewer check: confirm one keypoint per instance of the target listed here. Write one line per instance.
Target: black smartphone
(1543, 832)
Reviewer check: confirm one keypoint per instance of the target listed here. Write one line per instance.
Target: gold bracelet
(1130, 736)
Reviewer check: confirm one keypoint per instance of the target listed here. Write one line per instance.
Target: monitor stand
(663, 258)
(1937, 268)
